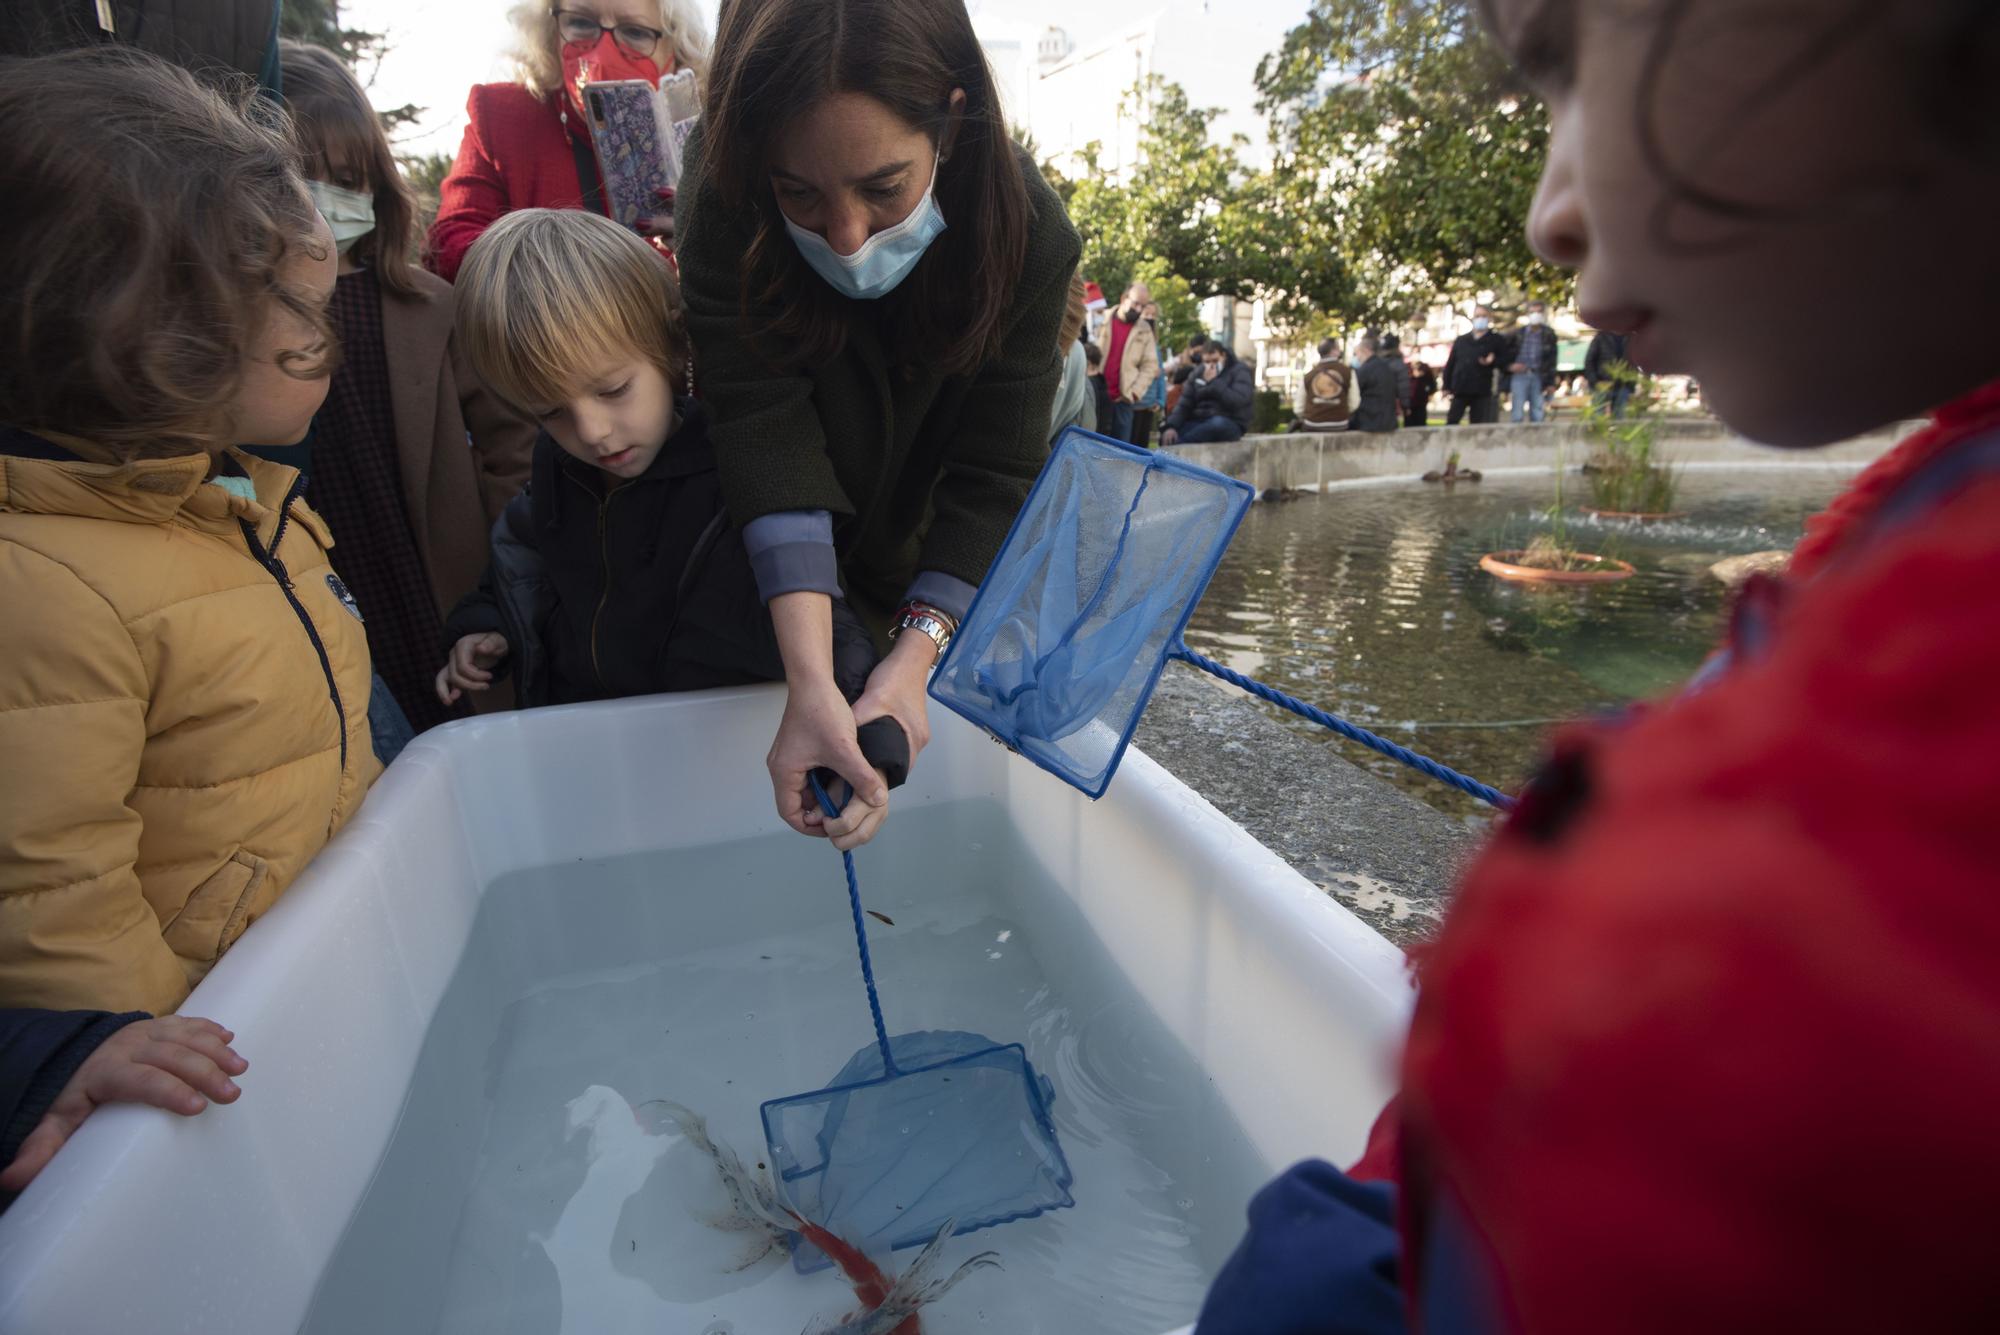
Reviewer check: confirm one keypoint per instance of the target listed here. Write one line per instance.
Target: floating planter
(1579, 568)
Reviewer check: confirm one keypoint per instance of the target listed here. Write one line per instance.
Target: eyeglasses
(636, 39)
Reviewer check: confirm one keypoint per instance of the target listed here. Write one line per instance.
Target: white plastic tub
(1288, 1005)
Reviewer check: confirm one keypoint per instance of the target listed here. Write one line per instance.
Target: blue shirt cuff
(947, 593)
(792, 552)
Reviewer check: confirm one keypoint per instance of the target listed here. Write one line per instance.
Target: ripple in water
(1369, 602)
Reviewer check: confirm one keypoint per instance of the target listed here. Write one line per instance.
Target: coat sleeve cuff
(791, 551)
(75, 1036)
(947, 593)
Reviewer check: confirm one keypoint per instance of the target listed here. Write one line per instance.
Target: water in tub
(529, 1188)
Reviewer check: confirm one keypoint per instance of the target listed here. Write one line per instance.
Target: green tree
(1406, 155)
(425, 172)
(1061, 184)
(1171, 212)
(318, 22)
(1180, 309)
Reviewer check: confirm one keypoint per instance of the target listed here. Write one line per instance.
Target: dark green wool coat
(921, 471)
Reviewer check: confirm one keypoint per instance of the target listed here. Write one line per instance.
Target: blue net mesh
(915, 1133)
(957, 1131)
(1060, 651)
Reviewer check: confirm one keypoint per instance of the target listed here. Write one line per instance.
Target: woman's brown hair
(149, 220)
(777, 59)
(336, 130)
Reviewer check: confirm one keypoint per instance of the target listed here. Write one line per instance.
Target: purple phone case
(636, 157)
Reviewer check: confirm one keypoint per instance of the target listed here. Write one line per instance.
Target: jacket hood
(42, 474)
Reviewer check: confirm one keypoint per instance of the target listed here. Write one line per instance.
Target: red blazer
(516, 155)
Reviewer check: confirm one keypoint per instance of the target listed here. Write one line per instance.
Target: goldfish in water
(888, 1307)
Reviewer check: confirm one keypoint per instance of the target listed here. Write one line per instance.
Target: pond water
(1369, 601)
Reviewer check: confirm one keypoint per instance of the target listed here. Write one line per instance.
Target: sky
(439, 48)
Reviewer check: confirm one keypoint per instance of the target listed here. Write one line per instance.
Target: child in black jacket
(617, 572)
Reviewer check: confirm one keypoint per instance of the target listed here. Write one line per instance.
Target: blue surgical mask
(884, 260)
(1482, 325)
(350, 214)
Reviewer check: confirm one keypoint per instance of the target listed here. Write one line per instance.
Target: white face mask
(349, 213)
(1536, 317)
(884, 260)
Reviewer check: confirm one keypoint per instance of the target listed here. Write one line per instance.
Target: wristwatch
(926, 620)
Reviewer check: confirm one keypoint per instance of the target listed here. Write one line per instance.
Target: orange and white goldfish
(888, 1307)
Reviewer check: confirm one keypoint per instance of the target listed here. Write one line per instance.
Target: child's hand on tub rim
(470, 666)
(178, 1062)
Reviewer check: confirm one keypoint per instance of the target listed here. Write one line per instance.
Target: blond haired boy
(617, 572)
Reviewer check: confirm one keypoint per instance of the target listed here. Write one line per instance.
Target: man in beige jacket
(1131, 359)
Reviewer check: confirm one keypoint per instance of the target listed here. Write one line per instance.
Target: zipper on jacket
(604, 556)
(272, 562)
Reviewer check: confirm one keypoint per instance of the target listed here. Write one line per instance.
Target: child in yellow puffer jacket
(183, 680)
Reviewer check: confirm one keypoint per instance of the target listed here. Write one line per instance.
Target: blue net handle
(1423, 764)
(860, 933)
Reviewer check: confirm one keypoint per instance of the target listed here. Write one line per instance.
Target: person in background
(390, 468)
(1189, 361)
(1607, 349)
(1074, 405)
(1147, 412)
(1326, 397)
(1423, 384)
(1375, 385)
(1131, 360)
(1100, 394)
(1689, 1054)
(1390, 348)
(1216, 405)
(876, 279)
(1468, 371)
(527, 145)
(1531, 363)
(1185, 364)
(183, 679)
(209, 38)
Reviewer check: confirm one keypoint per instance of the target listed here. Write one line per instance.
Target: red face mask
(601, 62)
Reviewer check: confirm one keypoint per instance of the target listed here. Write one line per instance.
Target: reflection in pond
(1369, 601)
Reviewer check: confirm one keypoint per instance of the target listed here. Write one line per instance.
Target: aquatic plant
(1625, 478)
(1549, 557)
(1549, 552)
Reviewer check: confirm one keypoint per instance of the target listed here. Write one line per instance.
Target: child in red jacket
(1711, 1039)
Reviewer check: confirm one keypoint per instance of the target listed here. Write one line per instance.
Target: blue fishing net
(951, 1129)
(1087, 600)
(914, 1133)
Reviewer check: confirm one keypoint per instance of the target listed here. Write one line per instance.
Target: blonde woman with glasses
(526, 145)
